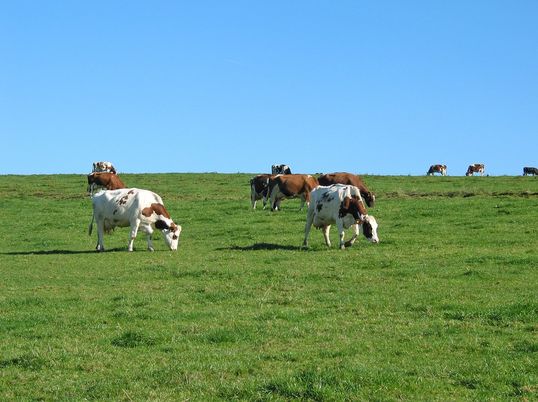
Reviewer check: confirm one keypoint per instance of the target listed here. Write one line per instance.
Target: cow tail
(90, 228)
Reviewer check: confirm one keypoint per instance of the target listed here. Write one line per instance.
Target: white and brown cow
(103, 167)
(349, 179)
(139, 209)
(341, 205)
(475, 168)
(110, 181)
(530, 170)
(280, 169)
(291, 186)
(259, 189)
(437, 169)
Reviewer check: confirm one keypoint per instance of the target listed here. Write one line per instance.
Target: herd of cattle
(475, 168)
(335, 198)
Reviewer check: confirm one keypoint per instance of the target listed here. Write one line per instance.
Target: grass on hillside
(444, 308)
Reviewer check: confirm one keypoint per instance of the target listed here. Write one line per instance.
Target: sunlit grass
(444, 308)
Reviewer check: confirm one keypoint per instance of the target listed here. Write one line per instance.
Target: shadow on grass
(262, 246)
(60, 252)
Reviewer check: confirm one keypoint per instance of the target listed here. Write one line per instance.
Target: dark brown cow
(259, 188)
(351, 180)
(110, 181)
(530, 170)
(475, 168)
(437, 169)
(291, 186)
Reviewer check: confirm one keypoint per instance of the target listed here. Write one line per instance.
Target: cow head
(170, 231)
(369, 228)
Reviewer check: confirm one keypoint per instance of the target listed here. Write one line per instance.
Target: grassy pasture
(444, 308)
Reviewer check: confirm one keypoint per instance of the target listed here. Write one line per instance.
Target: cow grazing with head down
(437, 169)
(280, 169)
(351, 180)
(110, 181)
(103, 167)
(291, 186)
(341, 205)
(475, 168)
(139, 209)
(259, 188)
(530, 170)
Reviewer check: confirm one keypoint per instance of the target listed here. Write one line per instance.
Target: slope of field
(444, 308)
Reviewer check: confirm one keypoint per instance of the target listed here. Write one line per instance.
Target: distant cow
(349, 179)
(280, 169)
(110, 181)
(103, 167)
(291, 186)
(530, 170)
(341, 205)
(437, 169)
(259, 189)
(139, 209)
(475, 168)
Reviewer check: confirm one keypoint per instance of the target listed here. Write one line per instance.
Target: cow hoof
(348, 244)
(151, 249)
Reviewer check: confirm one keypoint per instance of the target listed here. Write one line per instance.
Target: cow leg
(253, 197)
(133, 233)
(326, 230)
(350, 242)
(100, 234)
(149, 235)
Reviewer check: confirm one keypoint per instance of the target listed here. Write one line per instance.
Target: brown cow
(291, 186)
(351, 180)
(437, 169)
(107, 180)
(475, 168)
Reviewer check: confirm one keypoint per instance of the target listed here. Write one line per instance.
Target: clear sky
(370, 87)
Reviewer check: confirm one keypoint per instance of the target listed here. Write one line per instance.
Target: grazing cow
(343, 205)
(103, 167)
(291, 186)
(349, 179)
(437, 169)
(110, 181)
(475, 168)
(280, 169)
(259, 189)
(530, 170)
(139, 209)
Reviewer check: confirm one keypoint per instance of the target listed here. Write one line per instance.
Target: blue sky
(377, 87)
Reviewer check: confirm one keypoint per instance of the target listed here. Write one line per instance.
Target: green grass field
(444, 308)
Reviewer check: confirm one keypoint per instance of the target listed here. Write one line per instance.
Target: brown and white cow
(139, 209)
(341, 205)
(291, 186)
(259, 189)
(437, 169)
(530, 170)
(110, 181)
(351, 180)
(103, 167)
(475, 168)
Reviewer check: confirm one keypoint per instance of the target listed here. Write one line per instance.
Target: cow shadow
(60, 252)
(261, 246)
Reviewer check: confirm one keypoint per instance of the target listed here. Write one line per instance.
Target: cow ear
(161, 225)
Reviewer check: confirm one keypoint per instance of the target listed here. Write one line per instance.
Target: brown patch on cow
(156, 208)
(110, 181)
(352, 206)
